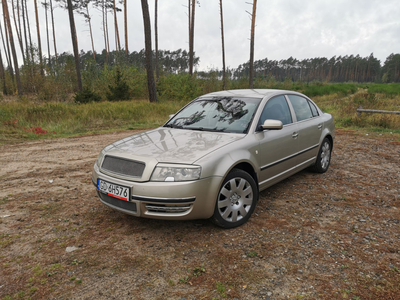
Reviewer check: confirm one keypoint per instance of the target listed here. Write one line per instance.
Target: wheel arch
(234, 209)
(330, 138)
(248, 168)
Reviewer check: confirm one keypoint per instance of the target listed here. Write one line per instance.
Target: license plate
(113, 190)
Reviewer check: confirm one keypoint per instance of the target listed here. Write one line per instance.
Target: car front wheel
(324, 157)
(236, 200)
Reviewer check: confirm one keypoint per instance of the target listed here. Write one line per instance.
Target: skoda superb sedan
(214, 156)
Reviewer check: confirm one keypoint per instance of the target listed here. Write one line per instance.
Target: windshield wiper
(217, 130)
(196, 128)
(206, 129)
(173, 126)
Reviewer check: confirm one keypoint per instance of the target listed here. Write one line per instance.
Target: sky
(284, 28)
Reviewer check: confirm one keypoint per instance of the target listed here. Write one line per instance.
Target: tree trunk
(118, 43)
(223, 48)
(90, 29)
(29, 32)
(54, 31)
(3, 75)
(108, 37)
(251, 67)
(156, 38)
(19, 21)
(103, 9)
(25, 35)
(6, 45)
(46, 8)
(38, 36)
(189, 20)
(14, 53)
(126, 26)
(191, 41)
(18, 30)
(149, 64)
(74, 44)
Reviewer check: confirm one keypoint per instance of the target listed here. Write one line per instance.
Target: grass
(344, 110)
(342, 89)
(28, 119)
(391, 89)
(221, 289)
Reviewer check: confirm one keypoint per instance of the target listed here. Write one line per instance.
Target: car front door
(276, 148)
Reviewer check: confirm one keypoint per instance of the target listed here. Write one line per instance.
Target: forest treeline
(336, 69)
(171, 62)
(118, 75)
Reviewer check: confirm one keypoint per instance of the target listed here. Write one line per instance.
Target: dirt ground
(313, 236)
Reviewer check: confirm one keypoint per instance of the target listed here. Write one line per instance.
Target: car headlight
(171, 172)
(100, 158)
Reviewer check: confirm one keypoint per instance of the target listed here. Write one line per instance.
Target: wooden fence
(375, 111)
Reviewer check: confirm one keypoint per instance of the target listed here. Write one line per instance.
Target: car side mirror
(272, 124)
(170, 117)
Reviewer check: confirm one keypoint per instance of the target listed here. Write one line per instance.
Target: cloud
(284, 28)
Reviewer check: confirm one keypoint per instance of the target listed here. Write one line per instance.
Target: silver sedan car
(214, 156)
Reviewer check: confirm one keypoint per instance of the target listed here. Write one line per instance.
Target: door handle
(319, 126)
(295, 135)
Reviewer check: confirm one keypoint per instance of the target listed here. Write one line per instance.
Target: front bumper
(164, 200)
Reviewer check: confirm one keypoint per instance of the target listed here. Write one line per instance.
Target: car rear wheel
(324, 157)
(236, 200)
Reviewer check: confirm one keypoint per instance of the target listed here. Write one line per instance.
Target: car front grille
(122, 166)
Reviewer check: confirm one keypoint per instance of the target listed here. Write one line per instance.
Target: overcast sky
(298, 28)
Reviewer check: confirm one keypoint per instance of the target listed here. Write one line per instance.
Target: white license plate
(113, 190)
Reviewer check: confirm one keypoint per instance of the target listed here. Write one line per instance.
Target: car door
(276, 148)
(309, 126)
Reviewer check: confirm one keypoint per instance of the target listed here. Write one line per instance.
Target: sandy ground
(313, 236)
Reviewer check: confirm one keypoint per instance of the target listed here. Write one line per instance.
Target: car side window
(301, 107)
(313, 109)
(276, 109)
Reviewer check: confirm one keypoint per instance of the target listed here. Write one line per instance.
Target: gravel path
(313, 236)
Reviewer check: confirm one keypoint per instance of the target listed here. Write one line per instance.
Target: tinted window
(301, 107)
(276, 109)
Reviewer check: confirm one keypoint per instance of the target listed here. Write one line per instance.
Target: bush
(119, 90)
(179, 87)
(86, 96)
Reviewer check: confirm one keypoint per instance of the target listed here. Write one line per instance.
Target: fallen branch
(361, 110)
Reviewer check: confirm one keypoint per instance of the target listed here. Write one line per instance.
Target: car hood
(171, 145)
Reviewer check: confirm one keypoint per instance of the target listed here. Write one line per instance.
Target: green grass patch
(390, 89)
(28, 120)
(342, 89)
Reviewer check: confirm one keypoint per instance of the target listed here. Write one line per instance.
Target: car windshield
(223, 114)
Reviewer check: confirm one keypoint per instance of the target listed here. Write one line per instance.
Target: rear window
(314, 110)
(301, 107)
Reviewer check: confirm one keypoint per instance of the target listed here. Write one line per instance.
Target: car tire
(324, 157)
(236, 201)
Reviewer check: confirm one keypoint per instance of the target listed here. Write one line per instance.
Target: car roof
(248, 93)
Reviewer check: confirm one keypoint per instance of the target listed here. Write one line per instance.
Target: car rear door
(309, 126)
